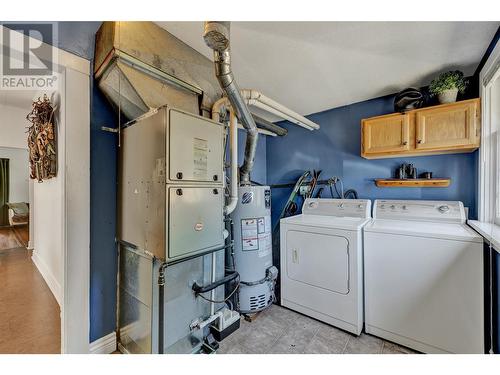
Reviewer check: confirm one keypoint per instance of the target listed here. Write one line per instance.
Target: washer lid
(449, 231)
(346, 223)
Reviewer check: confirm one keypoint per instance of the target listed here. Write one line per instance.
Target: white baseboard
(104, 345)
(48, 276)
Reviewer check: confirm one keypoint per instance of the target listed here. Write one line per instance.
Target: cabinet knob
(419, 141)
(215, 191)
(215, 177)
(405, 143)
(178, 191)
(179, 175)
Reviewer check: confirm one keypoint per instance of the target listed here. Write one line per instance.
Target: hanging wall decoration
(42, 140)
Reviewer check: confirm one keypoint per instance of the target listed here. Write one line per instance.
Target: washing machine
(322, 261)
(423, 270)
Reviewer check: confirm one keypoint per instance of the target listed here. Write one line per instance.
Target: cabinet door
(386, 134)
(446, 126)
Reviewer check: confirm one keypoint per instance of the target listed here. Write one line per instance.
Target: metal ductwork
(269, 126)
(139, 66)
(216, 36)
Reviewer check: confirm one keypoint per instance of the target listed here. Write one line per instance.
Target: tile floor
(282, 331)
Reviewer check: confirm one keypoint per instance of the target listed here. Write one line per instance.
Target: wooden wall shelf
(414, 182)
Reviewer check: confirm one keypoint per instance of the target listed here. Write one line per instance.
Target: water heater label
(256, 235)
(267, 198)
(249, 235)
(200, 158)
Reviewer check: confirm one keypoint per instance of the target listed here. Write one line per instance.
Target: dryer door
(318, 259)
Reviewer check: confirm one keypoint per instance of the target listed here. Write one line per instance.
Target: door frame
(74, 151)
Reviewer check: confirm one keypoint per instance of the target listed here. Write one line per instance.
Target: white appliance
(322, 261)
(424, 277)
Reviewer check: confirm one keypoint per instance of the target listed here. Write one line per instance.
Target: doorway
(58, 251)
(30, 314)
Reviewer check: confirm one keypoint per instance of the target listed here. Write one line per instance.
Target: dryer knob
(443, 209)
(360, 206)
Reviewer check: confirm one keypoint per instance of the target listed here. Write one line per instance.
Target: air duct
(216, 36)
(139, 66)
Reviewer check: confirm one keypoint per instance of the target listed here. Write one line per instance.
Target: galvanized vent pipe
(216, 36)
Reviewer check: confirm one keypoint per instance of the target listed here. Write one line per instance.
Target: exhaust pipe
(216, 36)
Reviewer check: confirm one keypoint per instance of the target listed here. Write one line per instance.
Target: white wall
(18, 173)
(13, 125)
(48, 223)
(47, 232)
(46, 198)
(13, 144)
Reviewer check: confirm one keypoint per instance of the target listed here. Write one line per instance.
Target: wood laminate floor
(9, 239)
(29, 313)
(22, 234)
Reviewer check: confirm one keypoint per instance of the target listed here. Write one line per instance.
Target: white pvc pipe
(278, 109)
(233, 145)
(222, 102)
(276, 112)
(281, 108)
(259, 100)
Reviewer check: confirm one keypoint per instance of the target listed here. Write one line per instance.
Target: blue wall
(79, 38)
(335, 149)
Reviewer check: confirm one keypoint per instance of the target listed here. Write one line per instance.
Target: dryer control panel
(337, 207)
(439, 211)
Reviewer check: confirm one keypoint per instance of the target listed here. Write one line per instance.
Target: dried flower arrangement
(42, 140)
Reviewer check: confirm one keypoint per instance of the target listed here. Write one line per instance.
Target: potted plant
(447, 86)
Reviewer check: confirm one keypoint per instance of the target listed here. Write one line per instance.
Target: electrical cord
(335, 186)
(352, 192)
(341, 194)
(224, 300)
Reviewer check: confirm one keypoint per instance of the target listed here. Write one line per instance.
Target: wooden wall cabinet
(446, 128)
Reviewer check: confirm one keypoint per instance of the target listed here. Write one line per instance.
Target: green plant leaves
(453, 79)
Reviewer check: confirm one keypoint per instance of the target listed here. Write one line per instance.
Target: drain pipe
(216, 36)
(161, 308)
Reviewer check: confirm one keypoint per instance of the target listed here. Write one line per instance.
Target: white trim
(486, 194)
(76, 214)
(48, 276)
(104, 345)
(491, 232)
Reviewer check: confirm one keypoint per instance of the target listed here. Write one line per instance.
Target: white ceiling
(314, 66)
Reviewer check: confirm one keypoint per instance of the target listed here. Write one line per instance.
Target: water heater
(253, 248)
